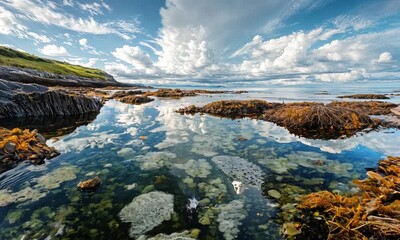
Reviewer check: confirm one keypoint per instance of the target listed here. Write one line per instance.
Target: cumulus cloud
(385, 57)
(54, 50)
(134, 56)
(210, 40)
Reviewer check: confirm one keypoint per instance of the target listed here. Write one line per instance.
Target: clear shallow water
(183, 156)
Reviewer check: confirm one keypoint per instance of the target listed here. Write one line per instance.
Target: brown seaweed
(371, 213)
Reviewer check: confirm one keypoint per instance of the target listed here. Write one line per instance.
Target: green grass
(14, 58)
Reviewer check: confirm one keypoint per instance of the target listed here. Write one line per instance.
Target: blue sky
(213, 41)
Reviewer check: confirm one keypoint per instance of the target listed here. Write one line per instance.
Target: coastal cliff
(23, 67)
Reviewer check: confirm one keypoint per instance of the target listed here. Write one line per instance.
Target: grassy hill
(14, 58)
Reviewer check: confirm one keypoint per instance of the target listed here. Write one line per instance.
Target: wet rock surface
(232, 108)
(121, 94)
(135, 99)
(171, 93)
(89, 184)
(22, 100)
(366, 96)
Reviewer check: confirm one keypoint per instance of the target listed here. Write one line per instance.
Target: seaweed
(306, 119)
(17, 144)
(371, 213)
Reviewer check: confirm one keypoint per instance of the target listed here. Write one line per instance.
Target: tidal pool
(245, 174)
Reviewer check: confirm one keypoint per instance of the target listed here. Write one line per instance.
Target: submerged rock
(147, 211)
(196, 168)
(89, 184)
(240, 170)
(55, 178)
(155, 160)
(185, 235)
(230, 218)
(43, 184)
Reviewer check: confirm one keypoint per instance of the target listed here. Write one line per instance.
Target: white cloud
(352, 75)
(184, 56)
(355, 22)
(87, 48)
(385, 57)
(8, 22)
(348, 59)
(134, 56)
(83, 42)
(95, 8)
(197, 36)
(128, 73)
(54, 50)
(126, 28)
(39, 37)
(9, 25)
(68, 3)
(49, 14)
(196, 33)
(80, 61)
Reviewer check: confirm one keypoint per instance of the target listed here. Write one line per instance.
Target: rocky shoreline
(306, 119)
(23, 100)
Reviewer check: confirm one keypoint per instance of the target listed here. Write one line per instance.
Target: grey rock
(26, 100)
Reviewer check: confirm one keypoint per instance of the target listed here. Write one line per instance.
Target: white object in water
(192, 205)
(238, 186)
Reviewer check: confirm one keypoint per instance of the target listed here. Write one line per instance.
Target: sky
(231, 42)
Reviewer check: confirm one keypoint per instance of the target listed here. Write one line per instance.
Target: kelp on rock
(372, 213)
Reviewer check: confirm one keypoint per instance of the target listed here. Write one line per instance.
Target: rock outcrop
(307, 119)
(366, 96)
(23, 100)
